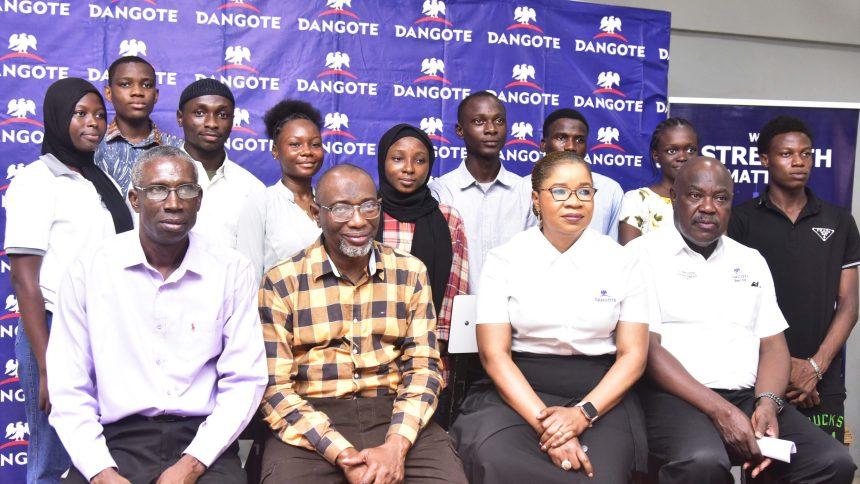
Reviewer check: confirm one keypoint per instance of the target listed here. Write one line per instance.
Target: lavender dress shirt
(127, 342)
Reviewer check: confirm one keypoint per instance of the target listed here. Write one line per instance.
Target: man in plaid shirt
(353, 362)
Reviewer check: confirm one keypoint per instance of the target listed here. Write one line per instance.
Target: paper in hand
(777, 449)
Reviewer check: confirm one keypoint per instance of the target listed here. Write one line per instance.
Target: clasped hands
(560, 428)
(376, 465)
(802, 384)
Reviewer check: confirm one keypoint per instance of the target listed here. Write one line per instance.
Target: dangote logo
(521, 131)
(523, 16)
(338, 64)
(607, 135)
(433, 128)
(336, 7)
(606, 81)
(18, 109)
(241, 4)
(132, 47)
(235, 55)
(20, 44)
(521, 75)
(10, 372)
(609, 25)
(434, 11)
(604, 297)
(431, 68)
(11, 300)
(238, 13)
(242, 122)
(16, 432)
(334, 124)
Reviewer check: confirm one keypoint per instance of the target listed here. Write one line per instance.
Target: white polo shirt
(563, 303)
(54, 212)
(224, 197)
(714, 311)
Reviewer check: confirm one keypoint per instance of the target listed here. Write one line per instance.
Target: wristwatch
(589, 411)
(780, 403)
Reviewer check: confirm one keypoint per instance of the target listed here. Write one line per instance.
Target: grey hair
(157, 153)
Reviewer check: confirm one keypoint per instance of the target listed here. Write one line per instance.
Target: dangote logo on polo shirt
(604, 297)
(823, 233)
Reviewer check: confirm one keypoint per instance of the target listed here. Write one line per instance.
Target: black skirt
(498, 446)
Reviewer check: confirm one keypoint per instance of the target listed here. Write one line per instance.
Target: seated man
(719, 367)
(350, 337)
(156, 361)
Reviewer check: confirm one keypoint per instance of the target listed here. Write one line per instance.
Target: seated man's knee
(702, 465)
(838, 464)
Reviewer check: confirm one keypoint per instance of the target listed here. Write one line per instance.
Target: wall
(770, 49)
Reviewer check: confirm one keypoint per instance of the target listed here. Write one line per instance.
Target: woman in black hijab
(413, 221)
(55, 207)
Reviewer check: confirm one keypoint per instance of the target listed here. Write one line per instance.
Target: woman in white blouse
(276, 223)
(562, 331)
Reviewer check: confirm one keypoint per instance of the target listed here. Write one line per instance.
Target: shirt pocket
(201, 339)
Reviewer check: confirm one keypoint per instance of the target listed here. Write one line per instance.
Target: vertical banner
(729, 132)
(365, 64)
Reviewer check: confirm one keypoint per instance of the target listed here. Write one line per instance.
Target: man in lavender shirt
(156, 361)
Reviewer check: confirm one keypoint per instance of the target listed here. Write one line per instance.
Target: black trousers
(143, 449)
(690, 449)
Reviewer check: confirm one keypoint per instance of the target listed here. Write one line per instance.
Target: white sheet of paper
(778, 449)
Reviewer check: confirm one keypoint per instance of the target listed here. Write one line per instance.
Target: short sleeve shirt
(807, 258)
(563, 303)
(713, 311)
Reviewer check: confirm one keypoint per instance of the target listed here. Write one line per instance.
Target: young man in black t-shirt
(813, 249)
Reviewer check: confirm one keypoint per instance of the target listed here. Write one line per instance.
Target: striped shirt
(116, 155)
(399, 235)
(327, 337)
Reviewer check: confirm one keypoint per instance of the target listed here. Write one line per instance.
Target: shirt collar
(676, 244)
(465, 179)
(202, 176)
(154, 138)
(322, 265)
(55, 166)
(576, 253)
(812, 207)
(133, 256)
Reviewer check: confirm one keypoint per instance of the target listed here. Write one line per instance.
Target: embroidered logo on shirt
(739, 276)
(604, 297)
(754, 284)
(823, 233)
(687, 275)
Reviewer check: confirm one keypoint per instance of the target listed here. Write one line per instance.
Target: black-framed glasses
(343, 212)
(562, 194)
(159, 193)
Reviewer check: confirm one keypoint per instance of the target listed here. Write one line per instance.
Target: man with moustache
(206, 117)
(133, 92)
(718, 363)
(156, 360)
(566, 129)
(813, 250)
(495, 204)
(350, 339)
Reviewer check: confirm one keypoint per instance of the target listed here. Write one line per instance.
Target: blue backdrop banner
(729, 133)
(366, 64)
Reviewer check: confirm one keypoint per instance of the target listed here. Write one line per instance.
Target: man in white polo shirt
(718, 368)
(206, 117)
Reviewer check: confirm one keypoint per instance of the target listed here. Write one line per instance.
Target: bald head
(346, 187)
(340, 179)
(702, 200)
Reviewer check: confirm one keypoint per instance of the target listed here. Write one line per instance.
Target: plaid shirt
(116, 155)
(399, 235)
(326, 337)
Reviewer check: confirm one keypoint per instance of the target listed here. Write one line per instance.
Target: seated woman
(562, 331)
(413, 221)
(673, 142)
(276, 223)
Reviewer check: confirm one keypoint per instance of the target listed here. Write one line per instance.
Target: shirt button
(158, 361)
(169, 393)
(355, 376)
(355, 320)
(355, 350)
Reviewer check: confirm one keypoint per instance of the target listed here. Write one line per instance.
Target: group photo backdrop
(365, 64)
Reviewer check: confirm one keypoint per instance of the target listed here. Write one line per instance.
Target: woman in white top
(276, 223)
(56, 207)
(673, 142)
(562, 331)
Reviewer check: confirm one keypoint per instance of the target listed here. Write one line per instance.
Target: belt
(158, 418)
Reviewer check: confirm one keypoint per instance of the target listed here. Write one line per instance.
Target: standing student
(206, 117)
(566, 129)
(276, 223)
(813, 249)
(490, 198)
(56, 207)
(133, 92)
(673, 142)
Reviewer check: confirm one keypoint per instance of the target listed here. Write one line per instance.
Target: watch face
(590, 411)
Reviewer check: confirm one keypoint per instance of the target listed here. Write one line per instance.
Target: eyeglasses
(562, 194)
(159, 193)
(343, 212)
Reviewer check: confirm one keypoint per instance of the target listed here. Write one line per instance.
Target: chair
(463, 349)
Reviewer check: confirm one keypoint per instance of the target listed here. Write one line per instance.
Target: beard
(353, 251)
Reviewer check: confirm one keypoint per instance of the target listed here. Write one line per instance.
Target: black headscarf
(60, 101)
(431, 241)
